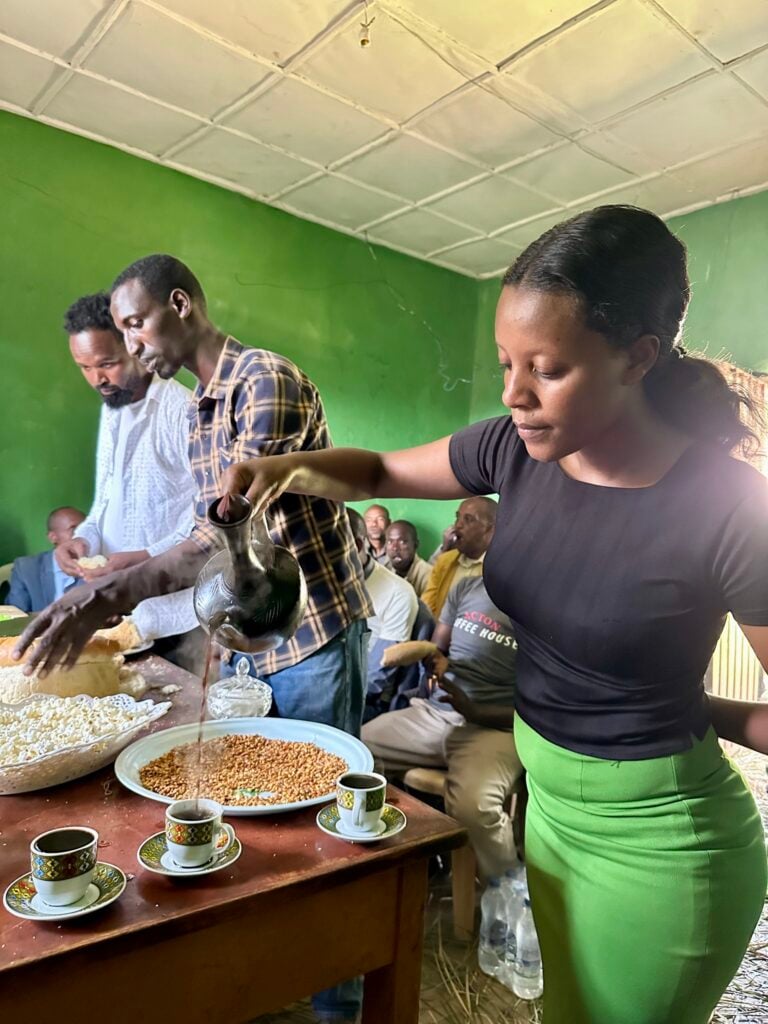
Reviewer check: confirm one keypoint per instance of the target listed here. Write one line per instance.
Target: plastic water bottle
(515, 889)
(528, 979)
(493, 929)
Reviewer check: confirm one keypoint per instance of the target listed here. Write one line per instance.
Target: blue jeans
(329, 687)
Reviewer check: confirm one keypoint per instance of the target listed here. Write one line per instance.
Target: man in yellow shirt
(473, 529)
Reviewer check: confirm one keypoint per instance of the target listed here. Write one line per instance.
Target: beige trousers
(482, 765)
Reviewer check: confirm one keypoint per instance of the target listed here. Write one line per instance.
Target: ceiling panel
(663, 195)
(483, 257)
(23, 75)
(522, 235)
(162, 58)
(701, 116)
(728, 28)
(420, 231)
(608, 62)
(483, 126)
(568, 173)
(273, 29)
(492, 203)
(246, 163)
(754, 72)
(105, 110)
(57, 26)
(497, 30)
(397, 74)
(743, 166)
(410, 168)
(306, 122)
(341, 202)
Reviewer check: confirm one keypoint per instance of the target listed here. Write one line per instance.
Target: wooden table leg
(392, 992)
(463, 871)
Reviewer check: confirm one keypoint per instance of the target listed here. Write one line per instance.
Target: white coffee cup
(194, 832)
(63, 863)
(360, 799)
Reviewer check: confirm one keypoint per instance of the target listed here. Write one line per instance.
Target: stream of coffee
(197, 773)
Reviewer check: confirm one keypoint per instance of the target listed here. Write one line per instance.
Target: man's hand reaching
(68, 553)
(116, 563)
(64, 627)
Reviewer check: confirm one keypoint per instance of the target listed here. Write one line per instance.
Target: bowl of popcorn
(46, 740)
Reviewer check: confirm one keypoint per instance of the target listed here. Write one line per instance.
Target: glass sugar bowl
(240, 696)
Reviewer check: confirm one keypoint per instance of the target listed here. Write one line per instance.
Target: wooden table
(298, 912)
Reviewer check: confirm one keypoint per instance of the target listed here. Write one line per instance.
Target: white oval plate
(134, 757)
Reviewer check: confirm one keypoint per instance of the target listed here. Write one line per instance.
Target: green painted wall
(73, 213)
(728, 265)
(728, 316)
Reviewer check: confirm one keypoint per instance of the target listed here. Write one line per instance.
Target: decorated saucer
(392, 821)
(153, 855)
(22, 900)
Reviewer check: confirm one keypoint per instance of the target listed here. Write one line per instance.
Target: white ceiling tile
(743, 166)
(618, 152)
(755, 70)
(619, 57)
(410, 168)
(300, 119)
(728, 28)
(481, 257)
(397, 74)
(524, 234)
(491, 203)
(243, 162)
(22, 75)
(273, 29)
(663, 195)
(483, 126)
(105, 110)
(704, 115)
(420, 231)
(339, 201)
(568, 173)
(57, 26)
(162, 58)
(499, 30)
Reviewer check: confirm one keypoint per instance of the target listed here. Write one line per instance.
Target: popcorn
(43, 726)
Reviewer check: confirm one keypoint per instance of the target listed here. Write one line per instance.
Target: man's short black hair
(404, 524)
(159, 274)
(91, 312)
(357, 523)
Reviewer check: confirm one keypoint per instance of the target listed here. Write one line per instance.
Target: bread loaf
(98, 672)
(92, 562)
(125, 635)
(408, 653)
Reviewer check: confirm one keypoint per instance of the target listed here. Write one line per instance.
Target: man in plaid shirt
(248, 403)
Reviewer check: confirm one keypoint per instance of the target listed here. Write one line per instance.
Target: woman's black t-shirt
(618, 595)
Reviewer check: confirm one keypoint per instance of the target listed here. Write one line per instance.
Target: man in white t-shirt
(395, 608)
(144, 496)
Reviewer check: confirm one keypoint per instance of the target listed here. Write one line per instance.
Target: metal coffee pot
(252, 595)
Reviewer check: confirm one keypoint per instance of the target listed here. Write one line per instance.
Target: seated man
(376, 522)
(402, 547)
(395, 606)
(465, 725)
(36, 580)
(472, 531)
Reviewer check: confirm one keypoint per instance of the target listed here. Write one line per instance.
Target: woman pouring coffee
(626, 532)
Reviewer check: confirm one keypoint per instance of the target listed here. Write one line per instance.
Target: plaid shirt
(259, 403)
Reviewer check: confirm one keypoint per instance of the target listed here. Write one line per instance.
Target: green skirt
(647, 879)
